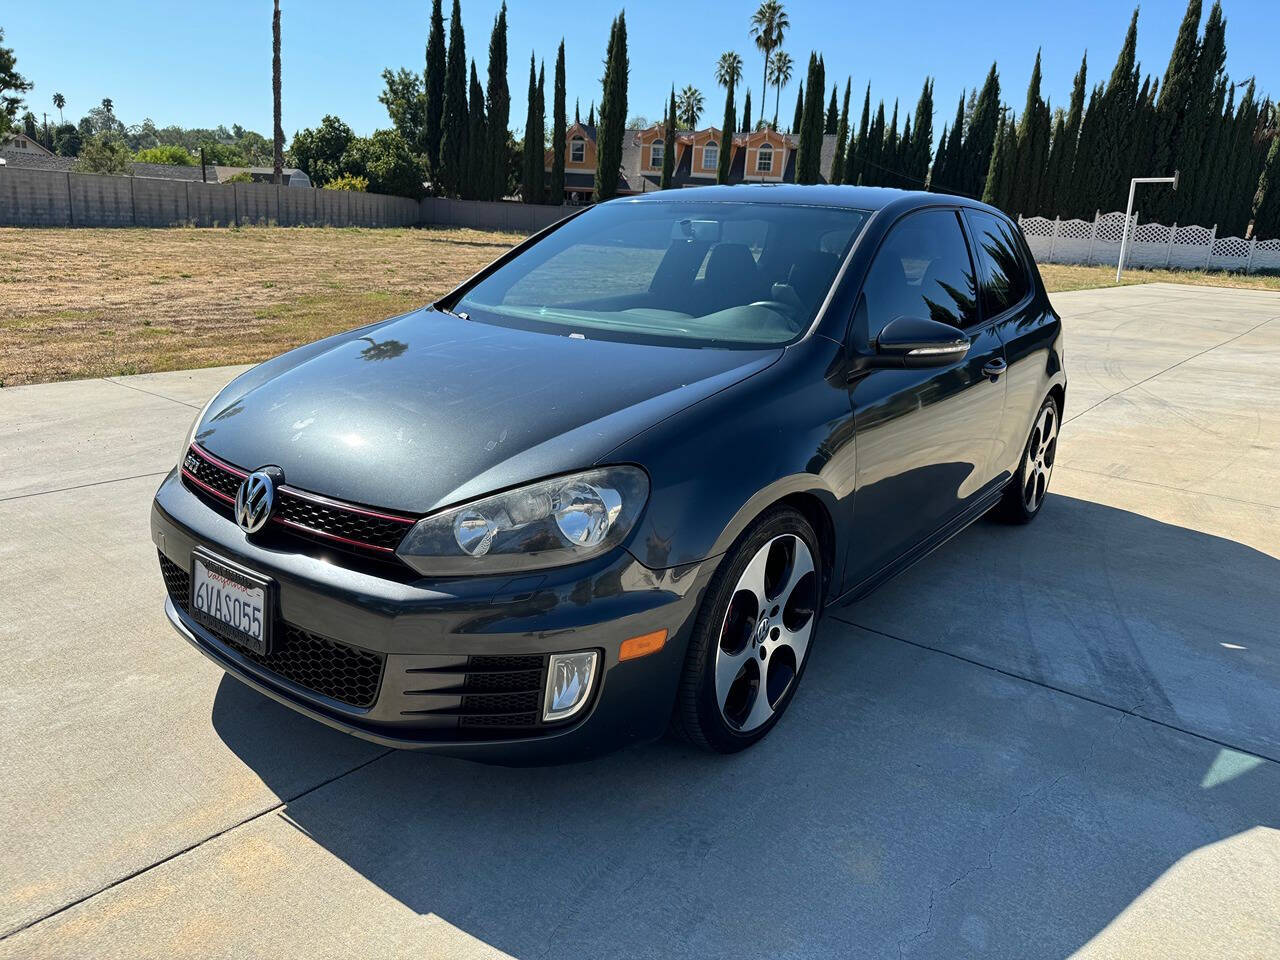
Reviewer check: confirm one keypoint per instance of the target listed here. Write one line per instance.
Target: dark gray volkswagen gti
(606, 486)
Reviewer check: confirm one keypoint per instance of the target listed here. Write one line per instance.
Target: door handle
(993, 368)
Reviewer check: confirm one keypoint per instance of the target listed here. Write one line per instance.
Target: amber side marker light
(642, 645)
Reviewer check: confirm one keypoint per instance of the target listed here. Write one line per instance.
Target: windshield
(714, 274)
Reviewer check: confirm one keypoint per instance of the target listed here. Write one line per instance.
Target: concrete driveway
(1038, 741)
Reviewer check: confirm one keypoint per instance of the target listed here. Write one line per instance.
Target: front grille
(346, 674)
(303, 514)
(500, 694)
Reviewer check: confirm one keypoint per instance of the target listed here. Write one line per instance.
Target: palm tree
(59, 101)
(768, 25)
(729, 69)
(689, 106)
(278, 133)
(779, 75)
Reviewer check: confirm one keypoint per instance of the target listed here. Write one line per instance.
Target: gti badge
(255, 500)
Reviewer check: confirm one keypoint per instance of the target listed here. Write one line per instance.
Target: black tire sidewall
(714, 728)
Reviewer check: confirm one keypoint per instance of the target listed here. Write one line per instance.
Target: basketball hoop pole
(1128, 215)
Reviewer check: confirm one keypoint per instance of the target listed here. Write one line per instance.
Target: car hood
(428, 409)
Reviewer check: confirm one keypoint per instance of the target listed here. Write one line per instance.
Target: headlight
(544, 524)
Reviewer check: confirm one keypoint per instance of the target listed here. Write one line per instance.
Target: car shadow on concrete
(910, 803)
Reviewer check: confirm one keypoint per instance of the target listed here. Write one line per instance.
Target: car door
(1026, 324)
(925, 439)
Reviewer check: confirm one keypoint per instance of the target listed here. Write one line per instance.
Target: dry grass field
(85, 303)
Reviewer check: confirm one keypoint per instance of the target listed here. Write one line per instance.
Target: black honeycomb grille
(308, 516)
(334, 670)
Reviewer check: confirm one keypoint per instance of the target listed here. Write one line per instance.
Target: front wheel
(1024, 496)
(752, 636)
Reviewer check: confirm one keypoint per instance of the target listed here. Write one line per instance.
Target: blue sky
(209, 64)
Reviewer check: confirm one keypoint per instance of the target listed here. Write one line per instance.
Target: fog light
(569, 682)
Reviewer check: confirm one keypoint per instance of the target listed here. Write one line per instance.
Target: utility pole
(1128, 215)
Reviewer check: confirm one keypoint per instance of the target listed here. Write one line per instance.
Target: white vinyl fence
(1150, 245)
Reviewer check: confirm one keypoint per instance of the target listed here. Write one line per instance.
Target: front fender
(718, 464)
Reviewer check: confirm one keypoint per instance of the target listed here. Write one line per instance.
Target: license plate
(232, 602)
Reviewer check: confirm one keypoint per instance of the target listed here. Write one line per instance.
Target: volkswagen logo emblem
(255, 500)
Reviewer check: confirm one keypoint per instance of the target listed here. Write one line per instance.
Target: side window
(1004, 271)
(922, 270)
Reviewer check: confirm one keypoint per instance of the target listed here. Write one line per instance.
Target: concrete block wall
(35, 198)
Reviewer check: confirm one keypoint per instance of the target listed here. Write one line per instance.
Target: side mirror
(913, 342)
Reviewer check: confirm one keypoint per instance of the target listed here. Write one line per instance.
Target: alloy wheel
(1041, 450)
(765, 632)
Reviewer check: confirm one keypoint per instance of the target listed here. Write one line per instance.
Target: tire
(745, 661)
(1025, 493)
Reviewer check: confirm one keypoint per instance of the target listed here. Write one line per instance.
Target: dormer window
(578, 150)
(764, 159)
(656, 152)
(710, 156)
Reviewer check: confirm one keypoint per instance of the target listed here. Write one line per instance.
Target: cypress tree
(540, 121)
(980, 138)
(1248, 153)
(726, 135)
(473, 180)
(746, 112)
(577, 107)
(842, 136)
(1063, 148)
(434, 94)
(1189, 150)
(809, 153)
(833, 118)
(499, 103)
(872, 168)
(917, 163)
(1113, 150)
(858, 146)
(558, 131)
(997, 190)
(531, 153)
(905, 147)
(799, 117)
(453, 130)
(669, 142)
(613, 112)
(1266, 211)
(1172, 106)
(591, 115)
(947, 167)
(1053, 168)
(1083, 195)
(1031, 154)
(889, 155)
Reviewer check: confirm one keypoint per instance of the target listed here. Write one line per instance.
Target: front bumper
(424, 635)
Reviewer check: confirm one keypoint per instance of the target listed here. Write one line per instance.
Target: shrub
(242, 177)
(170, 154)
(348, 181)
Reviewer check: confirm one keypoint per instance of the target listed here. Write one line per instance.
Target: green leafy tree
(559, 130)
(769, 26)
(169, 154)
(12, 86)
(474, 185)
(453, 128)
(104, 153)
(66, 140)
(318, 153)
(613, 112)
(347, 181)
(433, 92)
(388, 161)
(778, 73)
(669, 142)
(406, 105)
(842, 136)
(498, 101)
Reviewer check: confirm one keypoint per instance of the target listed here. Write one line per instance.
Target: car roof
(821, 194)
